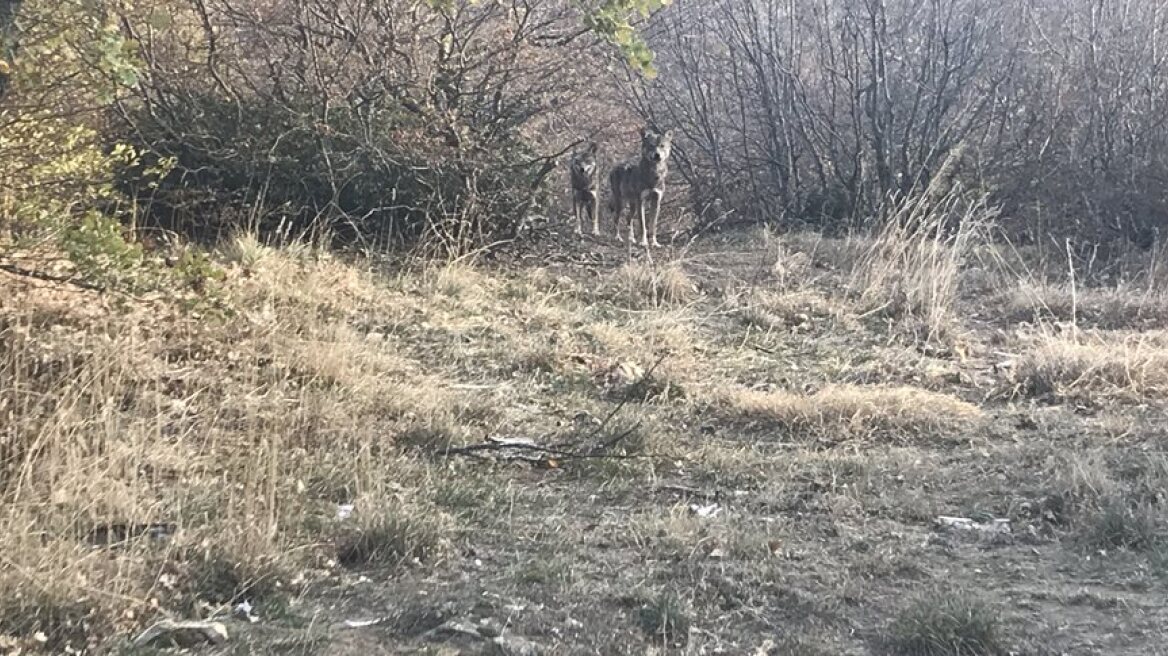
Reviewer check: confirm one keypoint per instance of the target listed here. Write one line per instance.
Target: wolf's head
(656, 146)
(584, 163)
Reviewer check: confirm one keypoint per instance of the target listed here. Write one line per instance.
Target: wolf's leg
(644, 228)
(656, 195)
(595, 207)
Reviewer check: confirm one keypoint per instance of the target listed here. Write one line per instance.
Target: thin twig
(605, 446)
(626, 398)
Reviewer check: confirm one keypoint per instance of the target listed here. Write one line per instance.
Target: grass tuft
(1063, 367)
(44, 617)
(646, 284)
(394, 537)
(1106, 308)
(665, 619)
(433, 434)
(911, 270)
(950, 623)
(1118, 524)
(221, 577)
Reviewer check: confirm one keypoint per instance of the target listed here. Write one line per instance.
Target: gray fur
(640, 181)
(583, 173)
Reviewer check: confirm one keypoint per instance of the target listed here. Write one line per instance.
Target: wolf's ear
(667, 135)
(592, 147)
(644, 132)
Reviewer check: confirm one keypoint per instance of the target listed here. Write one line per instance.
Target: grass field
(746, 446)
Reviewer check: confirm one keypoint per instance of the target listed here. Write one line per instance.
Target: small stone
(512, 645)
(490, 628)
(182, 634)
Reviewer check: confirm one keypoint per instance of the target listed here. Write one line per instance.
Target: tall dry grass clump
(153, 463)
(911, 270)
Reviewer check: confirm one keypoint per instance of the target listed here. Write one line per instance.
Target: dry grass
(727, 510)
(810, 251)
(911, 269)
(394, 534)
(242, 433)
(851, 412)
(1121, 524)
(1113, 499)
(1105, 308)
(790, 259)
(801, 310)
(665, 619)
(1131, 367)
(645, 284)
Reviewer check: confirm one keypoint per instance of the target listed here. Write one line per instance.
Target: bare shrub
(364, 127)
(810, 112)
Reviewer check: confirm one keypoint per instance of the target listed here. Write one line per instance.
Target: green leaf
(611, 20)
(160, 20)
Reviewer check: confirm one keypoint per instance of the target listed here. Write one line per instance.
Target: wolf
(640, 181)
(584, 179)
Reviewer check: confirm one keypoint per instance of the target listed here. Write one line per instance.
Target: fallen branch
(520, 446)
(46, 277)
(558, 453)
(561, 451)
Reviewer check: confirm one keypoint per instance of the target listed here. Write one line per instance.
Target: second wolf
(583, 173)
(640, 182)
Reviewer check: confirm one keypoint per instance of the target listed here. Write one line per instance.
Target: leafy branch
(612, 21)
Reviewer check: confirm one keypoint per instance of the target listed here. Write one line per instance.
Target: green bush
(59, 196)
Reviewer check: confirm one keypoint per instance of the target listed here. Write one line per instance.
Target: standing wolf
(639, 181)
(584, 179)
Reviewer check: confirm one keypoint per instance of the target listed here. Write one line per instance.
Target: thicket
(378, 120)
(822, 111)
(447, 121)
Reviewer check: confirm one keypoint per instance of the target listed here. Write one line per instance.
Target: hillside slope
(736, 448)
